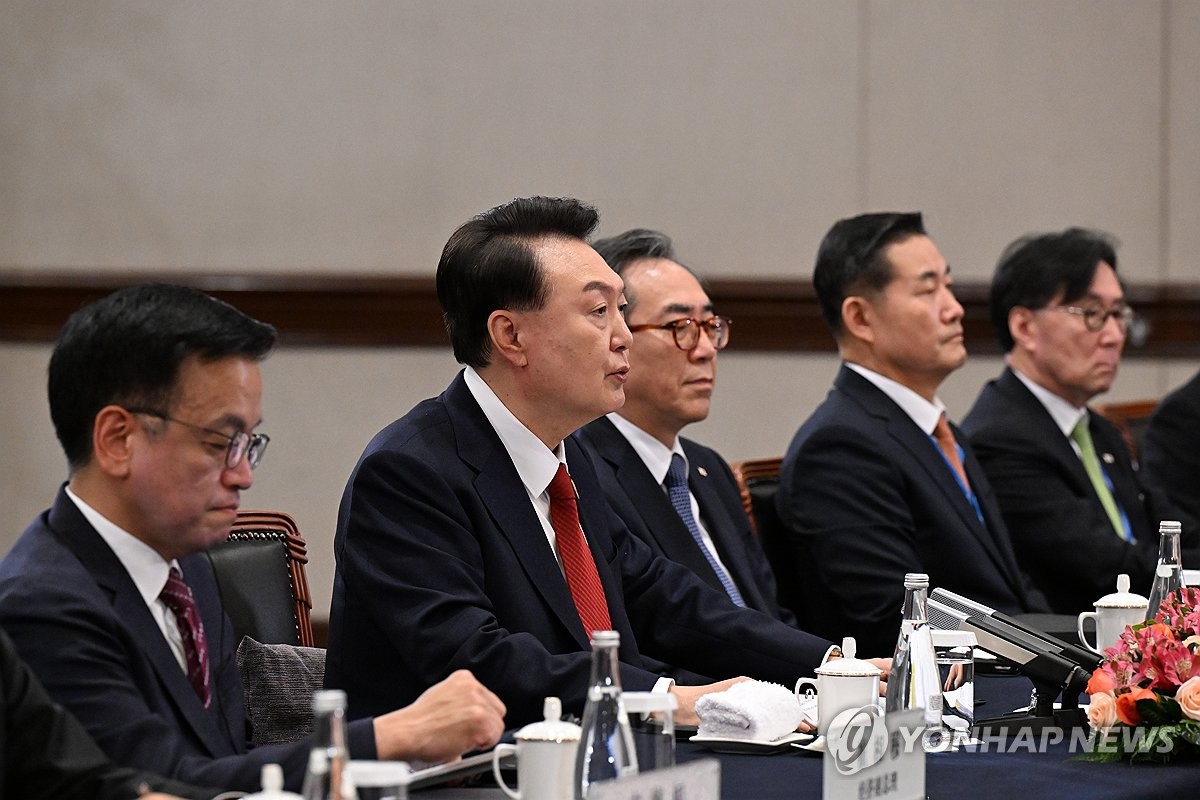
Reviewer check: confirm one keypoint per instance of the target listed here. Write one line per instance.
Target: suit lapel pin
(1107, 458)
(703, 472)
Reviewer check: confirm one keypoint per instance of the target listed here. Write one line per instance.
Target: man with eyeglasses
(155, 393)
(1079, 511)
(676, 495)
(877, 482)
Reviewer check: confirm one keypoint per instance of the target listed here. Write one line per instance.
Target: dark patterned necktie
(577, 561)
(178, 597)
(677, 490)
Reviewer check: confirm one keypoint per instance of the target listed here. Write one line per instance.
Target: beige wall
(285, 135)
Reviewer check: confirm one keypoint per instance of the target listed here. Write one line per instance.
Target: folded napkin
(749, 710)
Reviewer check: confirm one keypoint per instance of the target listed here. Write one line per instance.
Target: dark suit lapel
(501, 489)
(92, 551)
(926, 455)
(1038, 428)
(661, 522)
(723, 528)
(1114, 458)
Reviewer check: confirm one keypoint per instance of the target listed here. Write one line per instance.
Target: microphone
(1073, 653)
(1051, 672)
(1033, 657)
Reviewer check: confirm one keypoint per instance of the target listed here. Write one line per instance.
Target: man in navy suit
(155, 393)
(1170, 455)
(1073, 498)
(458, 544)
(877, 483)
(648, 471)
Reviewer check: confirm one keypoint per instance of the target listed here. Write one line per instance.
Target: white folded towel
(749, 710)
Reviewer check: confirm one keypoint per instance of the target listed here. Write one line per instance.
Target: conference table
(1007, 771)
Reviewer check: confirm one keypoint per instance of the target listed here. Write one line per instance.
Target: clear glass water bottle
(328, 777)
(606, 748)
(1168, 573)
(914, 681)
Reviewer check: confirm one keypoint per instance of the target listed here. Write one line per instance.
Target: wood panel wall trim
(356, 310)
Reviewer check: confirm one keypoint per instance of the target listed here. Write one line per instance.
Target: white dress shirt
(1065, 415)
(922, 412)
(147, 569)
(657, 458)
(536, 464)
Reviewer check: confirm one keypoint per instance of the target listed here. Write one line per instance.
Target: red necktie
(580, 567)
(949, 448)
(178, 597)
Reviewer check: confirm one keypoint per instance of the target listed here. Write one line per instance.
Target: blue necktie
(677, 490)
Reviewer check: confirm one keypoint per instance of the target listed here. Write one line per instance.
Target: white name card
(869, 755)
(695, 780)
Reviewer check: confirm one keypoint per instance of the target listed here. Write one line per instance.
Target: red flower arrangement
(1145, 697)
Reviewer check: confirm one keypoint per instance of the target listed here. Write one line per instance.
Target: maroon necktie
(580, 567)
(178, 597)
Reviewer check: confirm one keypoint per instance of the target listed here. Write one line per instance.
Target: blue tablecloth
(1016, 773)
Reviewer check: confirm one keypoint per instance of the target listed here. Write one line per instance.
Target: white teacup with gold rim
(545, 757)
(841, 683)
(1113, 613)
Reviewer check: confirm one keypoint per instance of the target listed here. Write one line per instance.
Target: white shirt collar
(654, 454)
(1065, 415)
(535, 463)
(922, 412)
(145, 566)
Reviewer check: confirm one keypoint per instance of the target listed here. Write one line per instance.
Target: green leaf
(1162, 711)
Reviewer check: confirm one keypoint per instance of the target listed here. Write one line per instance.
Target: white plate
(758, 747)
(814, 745)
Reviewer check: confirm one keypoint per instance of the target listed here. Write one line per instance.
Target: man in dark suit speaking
(676, 495)
(877, 483)
(464, 542)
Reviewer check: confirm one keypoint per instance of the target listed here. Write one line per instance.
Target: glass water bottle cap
(326, 700)
(916, 580)
(1170, 526)
(604, 638)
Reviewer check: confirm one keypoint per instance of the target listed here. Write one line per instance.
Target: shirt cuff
(663, 684)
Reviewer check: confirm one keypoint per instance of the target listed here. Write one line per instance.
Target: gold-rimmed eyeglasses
(1095, 317)
(241, 444)
(687, 331)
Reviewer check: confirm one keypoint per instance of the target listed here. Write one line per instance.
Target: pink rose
(1188, 697)
(1102, 711)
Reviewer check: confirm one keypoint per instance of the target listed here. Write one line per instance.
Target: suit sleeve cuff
(360, 739)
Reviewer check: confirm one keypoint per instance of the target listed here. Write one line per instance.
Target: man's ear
(857, 316)
(506, 332)
(1022, 325)
(113, 432)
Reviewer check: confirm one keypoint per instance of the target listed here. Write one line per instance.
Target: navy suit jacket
(866, 497)
(45, 754)
(1170, 453)
(76, 616)
(443, 564)
(1062, 535)
(647, 511)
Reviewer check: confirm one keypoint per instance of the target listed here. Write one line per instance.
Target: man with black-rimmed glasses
(1077, 507)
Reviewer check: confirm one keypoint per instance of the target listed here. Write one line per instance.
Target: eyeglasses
(687, 331)
(1095, 317)
(250, 445)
